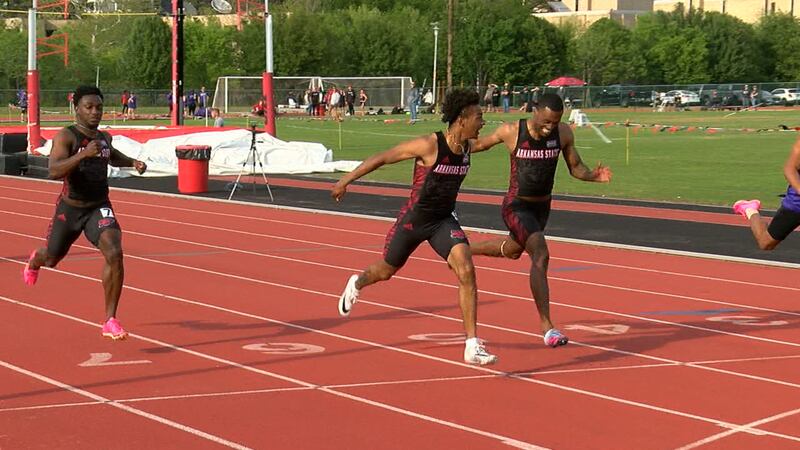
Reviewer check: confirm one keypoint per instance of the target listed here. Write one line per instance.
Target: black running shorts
(410, 230)
(524, 218)
(69, 221)
(784, 222)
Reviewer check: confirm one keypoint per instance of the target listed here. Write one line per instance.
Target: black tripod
(254, 156)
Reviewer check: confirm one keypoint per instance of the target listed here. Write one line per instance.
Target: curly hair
(85, 90)
(456, 102)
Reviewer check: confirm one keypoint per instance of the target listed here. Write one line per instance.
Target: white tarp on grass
(229, 151)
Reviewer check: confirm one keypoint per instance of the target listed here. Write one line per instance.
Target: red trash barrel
(193, 168)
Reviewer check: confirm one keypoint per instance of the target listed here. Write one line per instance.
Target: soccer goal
(240, 93)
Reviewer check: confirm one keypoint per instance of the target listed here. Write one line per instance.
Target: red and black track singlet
(89, 181)
(533, 163)
(435, 188)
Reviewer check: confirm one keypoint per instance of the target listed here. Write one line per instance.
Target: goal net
(240, 93)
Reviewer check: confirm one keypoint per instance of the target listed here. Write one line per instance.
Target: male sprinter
(81, 155)
(788, 216)
(441, 162)
(535, 144)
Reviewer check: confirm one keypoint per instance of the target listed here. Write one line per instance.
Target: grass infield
(741, 158)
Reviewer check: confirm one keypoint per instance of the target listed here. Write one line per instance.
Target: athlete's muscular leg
(536, 246)
(759, 228)
(378, 271)
(460, 260)
(41, 258)
(504, 247)
(110, 245)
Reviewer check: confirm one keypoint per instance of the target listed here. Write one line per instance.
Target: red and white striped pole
(176, 117)
(266, 82)
(34, 130)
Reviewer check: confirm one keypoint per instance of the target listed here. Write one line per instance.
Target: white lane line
(762, 262)
(305, 384)
(744, 428)
(126, 408)
(331, 386)
(386, 347)
(398, 277)
(761, 358)
(436, 261)
(320, 293)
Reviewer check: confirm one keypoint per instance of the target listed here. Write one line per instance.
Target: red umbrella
(566, 81)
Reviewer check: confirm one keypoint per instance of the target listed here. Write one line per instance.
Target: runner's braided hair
(85, 90)
(456, 102)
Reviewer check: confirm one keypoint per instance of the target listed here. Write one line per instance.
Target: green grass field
(685, 166)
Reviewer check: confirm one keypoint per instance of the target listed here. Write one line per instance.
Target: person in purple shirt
(768, 236)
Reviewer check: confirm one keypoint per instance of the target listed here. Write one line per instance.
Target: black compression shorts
(411, 230)
(69, 221)
(784, 222)
(524, 218)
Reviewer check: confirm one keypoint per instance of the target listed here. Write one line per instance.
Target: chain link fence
(702, 95)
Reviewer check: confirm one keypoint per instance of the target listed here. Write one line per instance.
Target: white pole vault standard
(34, 130)
(435, 57)
(267, 88)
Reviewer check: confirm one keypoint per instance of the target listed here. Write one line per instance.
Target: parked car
(726, 95)
(785, 96)
(617, 95)
(688, 98)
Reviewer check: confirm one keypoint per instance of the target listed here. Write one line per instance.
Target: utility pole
(450, 8)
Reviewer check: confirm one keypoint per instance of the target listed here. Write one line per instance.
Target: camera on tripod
(254, 158)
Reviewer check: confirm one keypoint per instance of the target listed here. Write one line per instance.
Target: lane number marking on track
(284, 348)
(104, 359)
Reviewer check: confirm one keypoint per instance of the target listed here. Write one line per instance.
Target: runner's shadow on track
(268, 363)
(645, 338)
(71, 257)
(278, 330)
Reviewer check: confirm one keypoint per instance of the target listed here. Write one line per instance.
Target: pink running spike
(29, 276)
(742, 206)
(112, 329)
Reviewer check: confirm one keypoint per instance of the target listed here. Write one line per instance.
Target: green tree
(605, 54)
(210, 52)
(379, 44)
(487, 42)
(82, 69)
(550, 47)
(778, 37)
(147, 54)
(13, 61)
(683, 56)
(733, 53)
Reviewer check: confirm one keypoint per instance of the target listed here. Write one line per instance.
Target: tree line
(494, 41)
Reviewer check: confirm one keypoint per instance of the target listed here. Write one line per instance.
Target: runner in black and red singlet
(80, 156)
(535, 145)
(441, 161)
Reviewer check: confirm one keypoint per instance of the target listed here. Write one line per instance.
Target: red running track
(236, 342)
